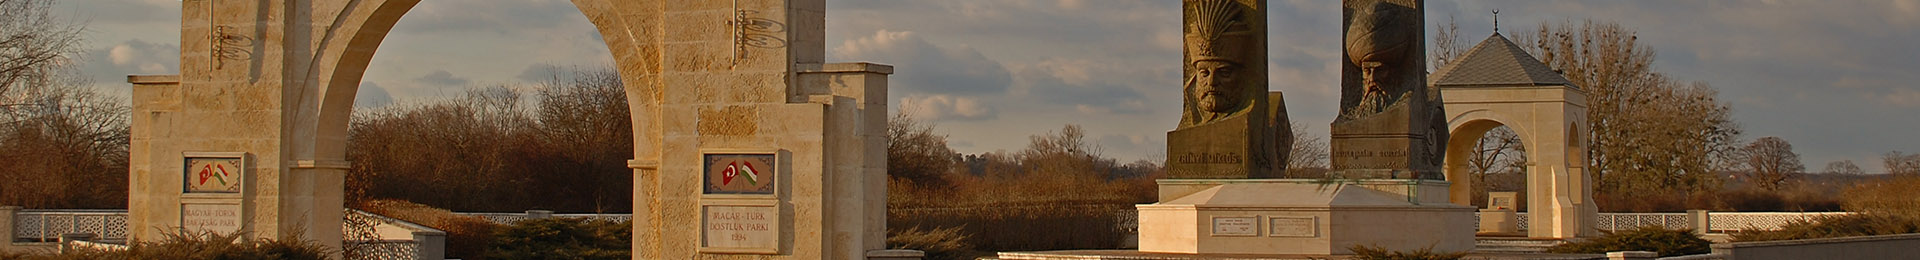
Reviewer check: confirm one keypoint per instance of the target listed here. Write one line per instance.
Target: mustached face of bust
(1214, 86)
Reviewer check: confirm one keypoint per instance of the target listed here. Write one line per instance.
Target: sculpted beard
(1215, 86)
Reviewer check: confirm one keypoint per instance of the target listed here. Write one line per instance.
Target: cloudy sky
(1835, 78)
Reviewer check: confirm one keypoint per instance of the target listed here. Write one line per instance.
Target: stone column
(1390, 126)
(6, 228)
(1228, 128)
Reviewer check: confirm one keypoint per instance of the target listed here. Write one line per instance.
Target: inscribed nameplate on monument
(741, 229)
(217, 218)
(214, 174)
(740, 173)
(1236, 226)
(1292, 227)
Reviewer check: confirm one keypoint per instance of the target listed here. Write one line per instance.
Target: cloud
(111, 64)
(442, 78)
(925, 68)
(1080, 84)
(371, 96)
(939, 107)
(541, 72)
(1903, 98)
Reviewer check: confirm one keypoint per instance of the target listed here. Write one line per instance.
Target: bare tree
(1844, 167)
(66, 147)
(1898, 163)
(585, 119)
(1308, 151)
(34, 46)
(1499, 150)
(1649, 131)
(1771, 162)
(1446, 45)
(915, 154)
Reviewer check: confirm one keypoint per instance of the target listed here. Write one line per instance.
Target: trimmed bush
(1364, 252)
(563, 238)
(201, 246)
(938, 243)
(1835, 226)
(1667, 242)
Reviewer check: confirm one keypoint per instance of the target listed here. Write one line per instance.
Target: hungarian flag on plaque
(213, 174)
(740, 173)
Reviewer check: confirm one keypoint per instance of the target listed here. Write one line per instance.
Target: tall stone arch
(1496, 83)
(272, 83)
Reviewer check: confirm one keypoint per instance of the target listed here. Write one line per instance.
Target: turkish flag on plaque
(742, 173)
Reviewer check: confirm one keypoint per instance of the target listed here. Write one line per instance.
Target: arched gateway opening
(1497, 84)
(268, 87)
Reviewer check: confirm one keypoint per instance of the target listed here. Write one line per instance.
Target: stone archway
(1497, 84)
(271, 84)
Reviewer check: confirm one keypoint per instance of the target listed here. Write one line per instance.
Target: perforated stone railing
(1627, 221)
(387, 250)
(48, 225)
(1731, 221)
(1719, 222)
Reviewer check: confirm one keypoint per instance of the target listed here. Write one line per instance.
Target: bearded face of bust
(1214, 86)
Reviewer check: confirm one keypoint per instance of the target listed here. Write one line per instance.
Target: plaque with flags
(214, 174)
(740, 173)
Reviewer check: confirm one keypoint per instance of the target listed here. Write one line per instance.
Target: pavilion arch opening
(500, 123)
(1493, 159)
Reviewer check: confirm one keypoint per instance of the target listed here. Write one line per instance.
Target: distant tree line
(491, 151)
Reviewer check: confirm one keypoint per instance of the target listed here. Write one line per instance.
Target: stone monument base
(1303, 217)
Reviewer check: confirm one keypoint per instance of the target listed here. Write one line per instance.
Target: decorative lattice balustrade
(1720, 222)
(1628, 221)
(1731, 221)
(385, 250)
(48, 225)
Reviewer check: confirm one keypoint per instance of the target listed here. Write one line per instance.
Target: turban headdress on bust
(1378, 34)
(1217, 32)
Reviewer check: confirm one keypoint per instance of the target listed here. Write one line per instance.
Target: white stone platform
(1303, 217)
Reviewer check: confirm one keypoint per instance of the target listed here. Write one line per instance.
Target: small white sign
(218, 218)
(1293, 226)
(1236, 226)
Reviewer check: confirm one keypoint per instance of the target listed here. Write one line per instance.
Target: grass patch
(1365, 252)
(1667, 242)
(563, 238)
(200, 246)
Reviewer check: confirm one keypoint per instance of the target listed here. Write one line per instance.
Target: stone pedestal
(1302, 217)
(1247, 146)
(1499, 221)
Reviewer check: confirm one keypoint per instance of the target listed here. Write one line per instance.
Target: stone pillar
(539, 214)
(243, 92)
(1228, 127)
(6, 228)
(430, 245)
(1390, 126)
(1701, 220)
